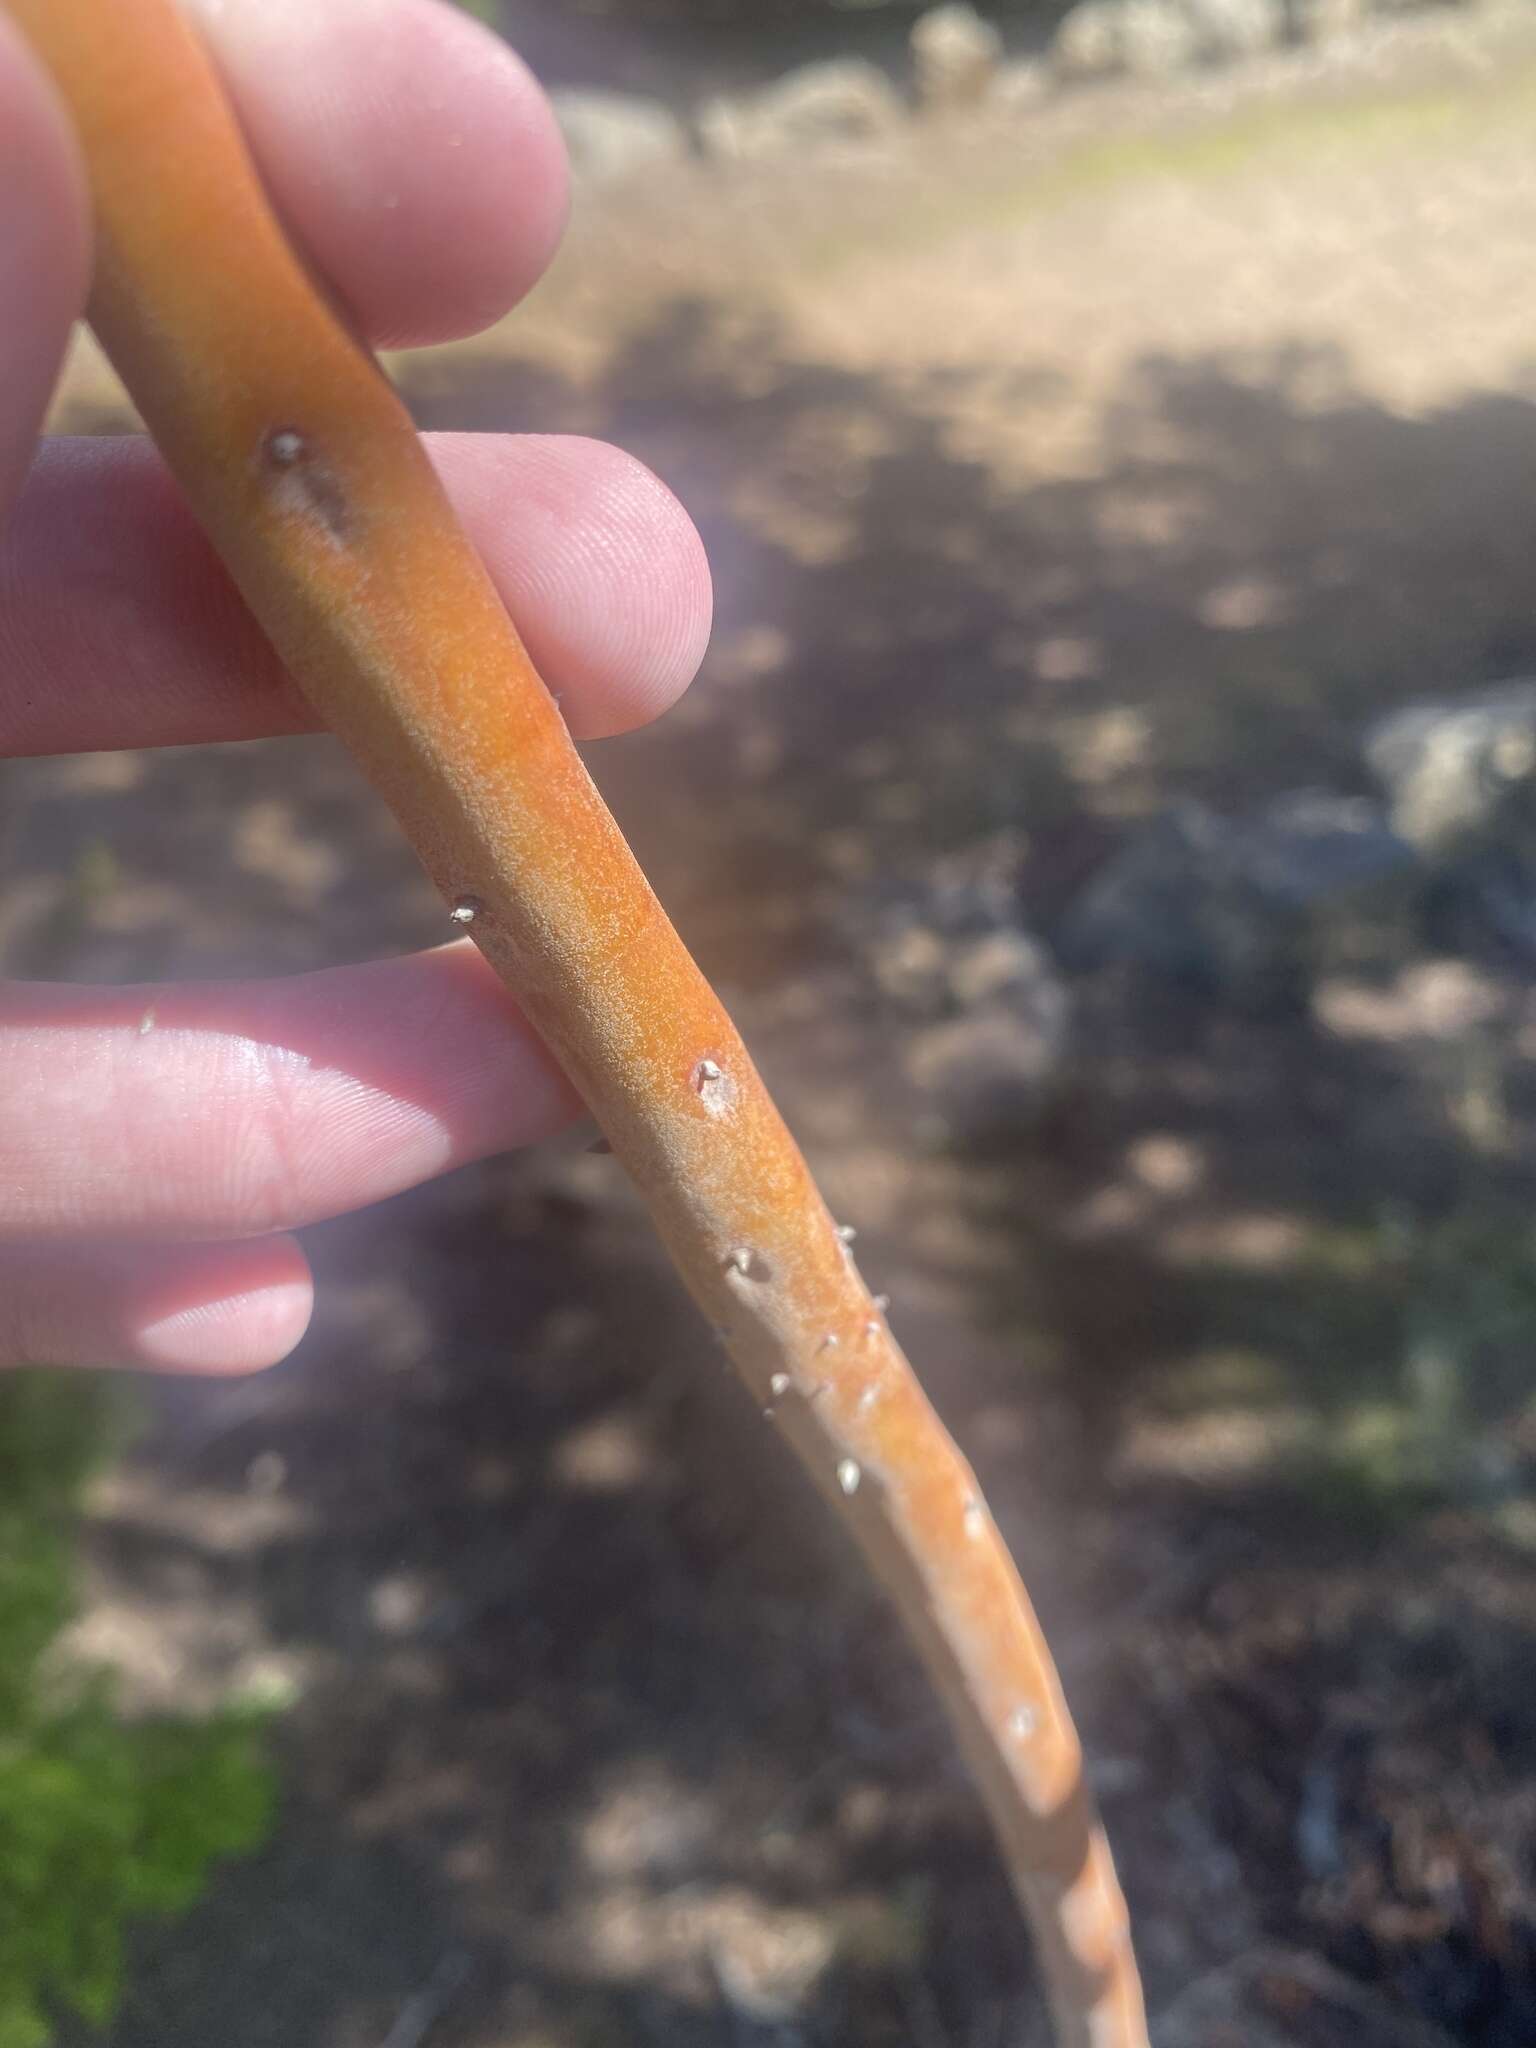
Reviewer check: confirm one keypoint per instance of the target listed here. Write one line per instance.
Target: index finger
(409, 151)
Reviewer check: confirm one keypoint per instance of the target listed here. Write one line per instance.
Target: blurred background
(1110, 808)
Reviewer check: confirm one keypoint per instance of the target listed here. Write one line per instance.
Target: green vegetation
(102, 1822)
(1400, 1348)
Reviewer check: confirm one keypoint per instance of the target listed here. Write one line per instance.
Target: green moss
(102, 1822)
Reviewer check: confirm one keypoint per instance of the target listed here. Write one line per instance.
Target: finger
(43, 250)
(231, 1110)
(119, 627)
(166, 1308)
(409, 150)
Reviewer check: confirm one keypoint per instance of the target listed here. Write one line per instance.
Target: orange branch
(306, 471)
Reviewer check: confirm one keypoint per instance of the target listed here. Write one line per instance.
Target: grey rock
(1312, 847)
(1459, 769)
(1235, 28)
(1142, 38)
(1087, 40)
(610, 135)
(1460, 776)
(956, 58)
(1157, 39)
(1020, 85)
(1176, 901)
(843, 101)
(1225, 905)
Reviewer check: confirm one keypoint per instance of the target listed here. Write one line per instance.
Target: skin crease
(139, 1163)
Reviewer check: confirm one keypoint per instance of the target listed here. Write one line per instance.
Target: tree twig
(307, 473)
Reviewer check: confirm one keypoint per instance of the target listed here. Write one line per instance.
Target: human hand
(158, 1144)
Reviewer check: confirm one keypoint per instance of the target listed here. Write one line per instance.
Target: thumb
(44, 249)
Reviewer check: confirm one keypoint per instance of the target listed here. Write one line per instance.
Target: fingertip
(412, 150)
(237, 1309)
(600, 566)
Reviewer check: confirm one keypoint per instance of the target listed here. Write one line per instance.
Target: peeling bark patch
(303, 486)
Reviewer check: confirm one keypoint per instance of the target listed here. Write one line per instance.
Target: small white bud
(285, 448)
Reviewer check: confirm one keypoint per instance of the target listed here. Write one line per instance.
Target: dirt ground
(1051, 472)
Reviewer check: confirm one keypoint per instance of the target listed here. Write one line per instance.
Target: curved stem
(306, 471)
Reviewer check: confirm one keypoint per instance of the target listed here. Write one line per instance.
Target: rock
(1174, 901)
(1145, 38)
(1156, 39)
(1235, 28)
(1087, 40)
(1460, 776)
(956, 58)
(1021, 85)
(1311, 847)
(611, 134)
(1459, 769)
(843, 101)
(1225, 905)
